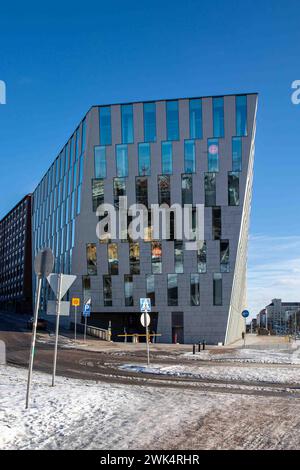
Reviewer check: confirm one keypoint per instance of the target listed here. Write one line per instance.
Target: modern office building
(180, 151)
(16, 259)
(278, 314)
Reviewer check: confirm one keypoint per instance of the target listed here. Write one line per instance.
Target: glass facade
(172, 290)
(217, 289)
(150, 288)
(201, 258)
(107, 291)
(187, 189)
(166, 158)
(218, 116)
(195, 289)
(241, 115)
(144, 159)
(189, 156)
(178, 256)
(91, 257)
(97, 193)
(122, 160)
(233, 189)
(100, 161)
(210, 189)
(127, 124)
(113, 259)
(105, 125)
(172, 115)
(134, 258)
(128, 290)
(216, 223)
(156, 257)
(196, 119)
(149, 122)
(236, 154)
(119, 190)
(213, 155)
(224, 256)
(164, 190)
(141, 190)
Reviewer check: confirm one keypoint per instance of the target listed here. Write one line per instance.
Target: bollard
(194, 348)
(199, 346)
(203, 345)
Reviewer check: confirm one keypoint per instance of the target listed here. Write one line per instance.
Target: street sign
(75, 302)
(58, 308)
(60, 282)
(44, 262)
(145, 319)
(145, 305)
(87, 310)
(245, 313)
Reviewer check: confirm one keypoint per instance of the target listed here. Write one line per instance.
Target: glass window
(105, 125)
(156, 258)
(149, 122)
(218, 117)
(141, 190)
(216, 223)
(144, 159)
(107, 291)
(224, 256)
(127, 123)
(210, 189)
(113, 260)
(119, 190)
(217, 289)
(164, 190)
(187, 189)
(233, 189)
(172, 120)
(81, 163)
(150, 288)
(166, 158)
(78, 199)
(97, 193)
(86, 288)
(178, 256)
(196, 119)
(128, 288)
(91, 257)
(241, 115)
(122, 160)
(189, 156)
(213, 155)
(201, 258)
(195, 289)
(83, 136)
(134, 258)
(236, 154)
(172, 290)
(100, 161)
(77, 144)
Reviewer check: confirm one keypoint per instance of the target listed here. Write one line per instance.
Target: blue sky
(59, 58)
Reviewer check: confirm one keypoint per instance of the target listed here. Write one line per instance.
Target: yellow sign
(75, 302)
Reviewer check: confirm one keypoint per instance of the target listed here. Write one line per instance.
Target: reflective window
(241, 115)
(195, 289)
(100, 161)
(210, 189)
(187, 189)
(128, 290)
(201, 258)
(86, 288)
(83, 136)
(213, 155)
(178, 256)
(233, 189)
(149, 122)
(216, 223)
(113, 260)
(122, 160)
(127, 123)
(105, 125)
(217, 289)
(141, 190)
(77, 144)
(156, 258)
(166, 158)
(150, 287)
(164, 190)
(134, 258)
(81, 163)
(144, 159)
(119, 190)
(196, 119)
(224, 256)
(91, 257)
(97, 193)
(172, 120)
(189, 156)
(236, 154)
(172, 290)
(218, 117)
(107, 291)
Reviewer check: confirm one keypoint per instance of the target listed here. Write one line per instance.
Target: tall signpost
(145, 307)
(245, 315)
(75, 304)
(86, 314)
(60, 284)
(43, 265)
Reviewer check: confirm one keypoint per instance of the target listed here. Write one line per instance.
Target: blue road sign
(245, 313)
(87, 310)
(145, 305)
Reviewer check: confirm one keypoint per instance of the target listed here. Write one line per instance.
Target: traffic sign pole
(75, 326)
(245, 334)
(147, 338)
(85, 326)
(57, 328)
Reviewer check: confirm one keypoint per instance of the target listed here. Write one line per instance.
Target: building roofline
(27, 196)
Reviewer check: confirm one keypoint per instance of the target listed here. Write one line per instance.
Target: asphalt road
(105, 366)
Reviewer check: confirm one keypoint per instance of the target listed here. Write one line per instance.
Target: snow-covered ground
(88, 415)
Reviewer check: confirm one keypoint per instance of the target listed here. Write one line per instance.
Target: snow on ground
(88, 415)
(276, 374)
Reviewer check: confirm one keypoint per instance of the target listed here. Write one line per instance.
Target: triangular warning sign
(66, 281)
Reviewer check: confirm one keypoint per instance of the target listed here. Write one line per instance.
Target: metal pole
(75, 326)
(57, 328)
(33, 338)
(245, 334)
(85, 325)
(147, 338)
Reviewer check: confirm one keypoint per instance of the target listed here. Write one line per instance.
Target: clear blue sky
(59, 58)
